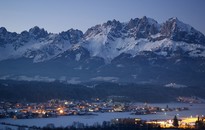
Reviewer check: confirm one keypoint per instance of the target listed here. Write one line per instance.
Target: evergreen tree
(175, 121)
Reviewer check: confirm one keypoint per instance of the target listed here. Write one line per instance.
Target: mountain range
(138, 51)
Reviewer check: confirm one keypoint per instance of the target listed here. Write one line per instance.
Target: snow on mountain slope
(107, 41)
(37, 49)
(96, 42)
(140, 35)
(46, 49)
(131, 46)
(38, 45)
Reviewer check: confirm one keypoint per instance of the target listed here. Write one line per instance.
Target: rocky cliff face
(179, 31)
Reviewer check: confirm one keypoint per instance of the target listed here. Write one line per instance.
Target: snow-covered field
(194, 110)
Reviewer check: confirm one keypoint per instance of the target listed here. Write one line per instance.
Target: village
(56, 107)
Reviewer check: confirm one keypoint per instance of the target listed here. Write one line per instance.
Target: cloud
(174, 85)
(110, 79)
(27, 78)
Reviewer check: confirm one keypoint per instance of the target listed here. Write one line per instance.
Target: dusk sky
(61, 15)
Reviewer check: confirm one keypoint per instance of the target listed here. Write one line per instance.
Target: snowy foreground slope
(140, 50)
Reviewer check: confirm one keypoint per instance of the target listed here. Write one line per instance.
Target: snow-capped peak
(37, 32)
(150, 21)
(180, 25)
(2, 30)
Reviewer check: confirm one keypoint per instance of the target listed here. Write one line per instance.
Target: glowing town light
(90, 110)
(61, 111)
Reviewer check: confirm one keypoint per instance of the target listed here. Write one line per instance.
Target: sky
(60, 15)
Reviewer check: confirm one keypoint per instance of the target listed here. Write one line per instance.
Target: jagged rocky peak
(145, 27)
(7, 37)
(142, 28)
(108, 28)
(138, 28)
(3, 30)
(3, 33)
(75, 32)
(37, 32)
(114, 27)
(24, 34)
(74, 35)
(176, 24)
(113, 23)
(148, 25)
(133, 23)
(93, 31)
(149, 21)
(176, 30)
(170, 26)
